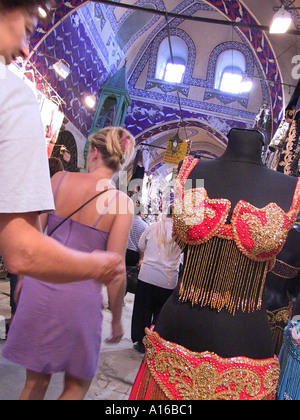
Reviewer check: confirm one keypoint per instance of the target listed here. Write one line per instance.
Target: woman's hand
(116, 333)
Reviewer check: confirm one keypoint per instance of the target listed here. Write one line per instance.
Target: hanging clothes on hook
(141, 162)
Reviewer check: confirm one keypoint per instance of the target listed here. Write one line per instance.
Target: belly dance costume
(226, 268)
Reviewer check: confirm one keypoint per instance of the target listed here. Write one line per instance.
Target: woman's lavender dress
(57, 327)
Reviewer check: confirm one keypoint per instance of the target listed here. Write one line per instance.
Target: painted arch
(233, 10)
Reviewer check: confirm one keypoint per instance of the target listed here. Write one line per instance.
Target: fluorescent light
(62, 68)
(174, 73)
(281, 21)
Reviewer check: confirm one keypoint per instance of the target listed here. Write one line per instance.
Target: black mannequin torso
(237, 175)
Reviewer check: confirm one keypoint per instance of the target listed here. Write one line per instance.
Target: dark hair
(27, 4)
(55, 165)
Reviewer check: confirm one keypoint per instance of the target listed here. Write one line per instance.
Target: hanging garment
(288, 152)
(289, 381)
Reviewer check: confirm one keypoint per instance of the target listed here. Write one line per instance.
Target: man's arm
(26, 251)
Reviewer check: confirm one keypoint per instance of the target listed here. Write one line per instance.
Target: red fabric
(182, 374)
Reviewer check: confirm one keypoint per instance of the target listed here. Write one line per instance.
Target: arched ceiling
(97, 38)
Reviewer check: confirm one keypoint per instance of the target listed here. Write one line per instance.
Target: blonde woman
(158, 276)
(57, 327)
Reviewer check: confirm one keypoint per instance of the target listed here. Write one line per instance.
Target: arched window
(230, 73)
(167, 69)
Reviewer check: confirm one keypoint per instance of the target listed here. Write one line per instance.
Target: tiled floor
(118, 364)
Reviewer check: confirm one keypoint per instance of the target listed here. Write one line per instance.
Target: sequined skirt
(171, 372)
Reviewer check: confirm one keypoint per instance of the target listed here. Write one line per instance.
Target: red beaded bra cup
(227, 263)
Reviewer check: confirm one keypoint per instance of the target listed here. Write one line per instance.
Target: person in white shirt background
(25, 189)
(158, 276)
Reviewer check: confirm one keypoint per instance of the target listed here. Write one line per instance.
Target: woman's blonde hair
(116, 146)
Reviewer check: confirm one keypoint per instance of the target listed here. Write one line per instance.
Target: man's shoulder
(138, 221)
(7, 77)
(10, 83)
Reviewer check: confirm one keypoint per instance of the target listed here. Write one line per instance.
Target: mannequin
(212, 314)
(238, 174)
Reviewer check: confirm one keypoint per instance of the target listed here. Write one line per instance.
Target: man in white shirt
(133, 252)
(25, 188)
(137, 229)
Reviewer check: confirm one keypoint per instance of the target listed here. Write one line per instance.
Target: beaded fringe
(218, 275)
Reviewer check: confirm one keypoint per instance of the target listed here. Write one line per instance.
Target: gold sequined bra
(227, 264)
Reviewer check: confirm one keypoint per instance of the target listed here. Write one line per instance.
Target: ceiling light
(281, 21)
(42, 12)
(62, 68)
(90, 101)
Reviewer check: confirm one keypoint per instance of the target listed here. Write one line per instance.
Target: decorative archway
(234, 11)
(211, 147)
(163, 128)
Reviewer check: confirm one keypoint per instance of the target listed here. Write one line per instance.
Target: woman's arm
(117, 243)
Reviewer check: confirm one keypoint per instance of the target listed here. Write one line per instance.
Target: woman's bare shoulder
(125, 203)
